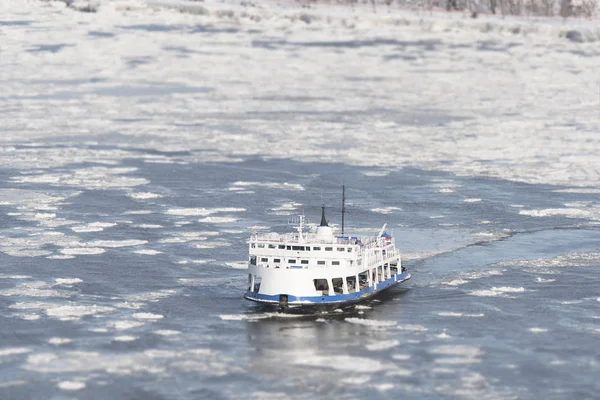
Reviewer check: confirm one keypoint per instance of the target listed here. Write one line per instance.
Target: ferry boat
(318, 269)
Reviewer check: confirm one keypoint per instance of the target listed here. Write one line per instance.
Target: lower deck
(363, 293)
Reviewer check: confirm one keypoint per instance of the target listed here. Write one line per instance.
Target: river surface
(141, 148)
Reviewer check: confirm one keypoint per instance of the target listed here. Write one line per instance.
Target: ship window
(349, 249)
(307, 248)
(253, 260)
(297, 247)
(321, 284)
(320, 262)
(261, 245)
(249, 282)
(271, 246)
(257, 281)
(304, 262)
(328, 248)
(340, 249)
(363, 280)
(338, 285)
(253, 245)
(351, 282)
(281, 246)
(264, 260)
(288, 247)
(277, 260)
(335, 263)
(291, 261)
(316, 248)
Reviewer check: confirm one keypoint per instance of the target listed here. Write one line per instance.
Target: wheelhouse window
(303, 261)
(264, 260)
(340, 249)
(316, 248)
(328, 248)
(307, 248)
(271, 246)
(261, 245)
(253, 260)
(335, 263)
(291, 261)
(298, 248)
(320, 262)
(288, 247)
(349, 249)
(253, 245)
(277, 260)
(281, 246)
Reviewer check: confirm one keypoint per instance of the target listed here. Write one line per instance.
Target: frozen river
(140, 147)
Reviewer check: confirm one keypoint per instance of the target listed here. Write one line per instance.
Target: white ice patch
(147, 316)
(446, 190)
(71, 386)
(376, 324)
(117, 243)
(218, 220)
(457, 354)
(144, 195)
(543, 280)
(566, 260)
(124, 325)
(167, 332)
(67, 281)
(34, 289)
(124, 338)
(401, 357)
(75, 312)
(92, 227)
(270, 185)
(382, 345)
(538, 330)
(386, 210)
(148, 226)
(12, 351)
(343, 363)
(202, 212)
(212, 245)
(497, 291)
(589, 213)
(57, 341)
(93, 178)
(472, 200)
(148, 252)
(82, 251)
(243, 317)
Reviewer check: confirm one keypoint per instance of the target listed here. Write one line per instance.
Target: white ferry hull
(286, 302)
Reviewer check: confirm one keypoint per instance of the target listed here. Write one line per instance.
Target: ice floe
(497, 291)
(202, 212)
(377, 324)
(147, 316)
(71, 385)
(148, 252)
(386, 210)
(144, 195)
(57, 341)
(382, 345)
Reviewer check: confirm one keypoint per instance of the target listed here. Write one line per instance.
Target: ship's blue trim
(340, 298)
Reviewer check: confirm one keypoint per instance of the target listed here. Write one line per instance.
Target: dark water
(501, 304)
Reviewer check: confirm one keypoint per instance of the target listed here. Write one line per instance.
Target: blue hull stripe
(340, 298)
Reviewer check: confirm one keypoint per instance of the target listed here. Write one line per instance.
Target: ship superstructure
(318, 267)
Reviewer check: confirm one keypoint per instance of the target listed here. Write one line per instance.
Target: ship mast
(343, 206)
